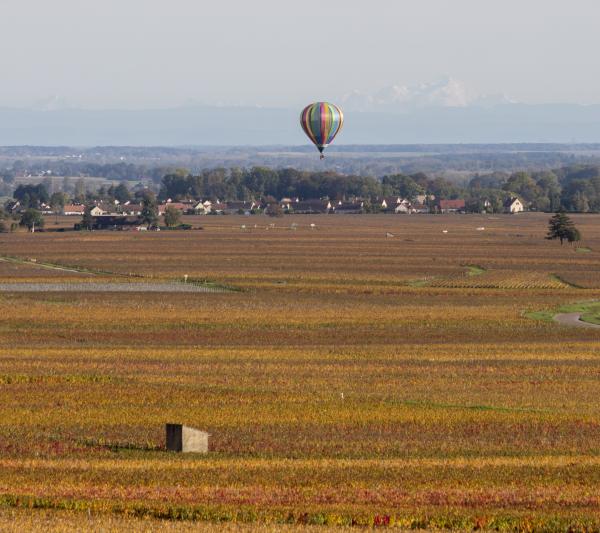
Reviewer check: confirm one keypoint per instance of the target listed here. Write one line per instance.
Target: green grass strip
(589, 310)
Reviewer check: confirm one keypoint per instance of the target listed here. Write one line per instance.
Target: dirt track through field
(573, 319)
(43, 265)
(106, 287)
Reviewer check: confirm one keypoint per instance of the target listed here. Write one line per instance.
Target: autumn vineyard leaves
(347, 378)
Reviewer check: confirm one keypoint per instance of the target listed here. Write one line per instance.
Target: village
(117, 214)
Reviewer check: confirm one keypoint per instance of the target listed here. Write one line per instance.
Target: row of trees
(260, 182)
(571, 188)
(36, 195)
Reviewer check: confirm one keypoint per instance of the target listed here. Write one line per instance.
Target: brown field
(354, 379)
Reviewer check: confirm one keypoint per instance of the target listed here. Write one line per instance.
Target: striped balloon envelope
(321, 121)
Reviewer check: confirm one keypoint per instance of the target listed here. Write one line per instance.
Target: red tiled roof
(177, 205)
(73, 208)
(452, 204)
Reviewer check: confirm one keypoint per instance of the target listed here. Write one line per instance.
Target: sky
(132, 54)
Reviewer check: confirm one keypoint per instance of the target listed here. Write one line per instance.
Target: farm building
(72, 209)
(241, 207)
(419, 208)
(218, 208)
(200, 208)
(311, 207)
(113, 221)
(181, 206)
(392, 202)
(347, 208)
(452, 206)
(130, 209)
(287, 203)
(185, 439)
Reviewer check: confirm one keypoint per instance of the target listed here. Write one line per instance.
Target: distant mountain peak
(52, 103)
(447, 92)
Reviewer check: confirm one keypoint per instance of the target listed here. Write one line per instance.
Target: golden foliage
(339, 389)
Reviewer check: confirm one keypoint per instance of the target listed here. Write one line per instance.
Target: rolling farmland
(347, 378)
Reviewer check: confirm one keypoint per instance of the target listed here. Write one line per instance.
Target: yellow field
(354, 379)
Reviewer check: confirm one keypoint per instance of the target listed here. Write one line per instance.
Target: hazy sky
(163, 53)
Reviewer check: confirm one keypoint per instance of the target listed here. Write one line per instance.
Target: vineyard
(347, 378)
(501, 279)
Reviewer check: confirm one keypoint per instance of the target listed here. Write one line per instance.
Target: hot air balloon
(321, 121)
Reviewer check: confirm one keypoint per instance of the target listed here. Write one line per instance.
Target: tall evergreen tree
(561, 227)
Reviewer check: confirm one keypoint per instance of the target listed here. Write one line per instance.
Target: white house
(393, 202)
(202, 208)
(513, 205)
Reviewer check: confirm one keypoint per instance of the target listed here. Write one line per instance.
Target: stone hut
(185, 439)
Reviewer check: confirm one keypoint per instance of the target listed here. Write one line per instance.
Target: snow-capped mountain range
(448, 92)
(445, 111)
(52, 103)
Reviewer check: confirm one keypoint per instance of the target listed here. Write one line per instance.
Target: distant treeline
(574, 188)
(111, 171)
(122, 163)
